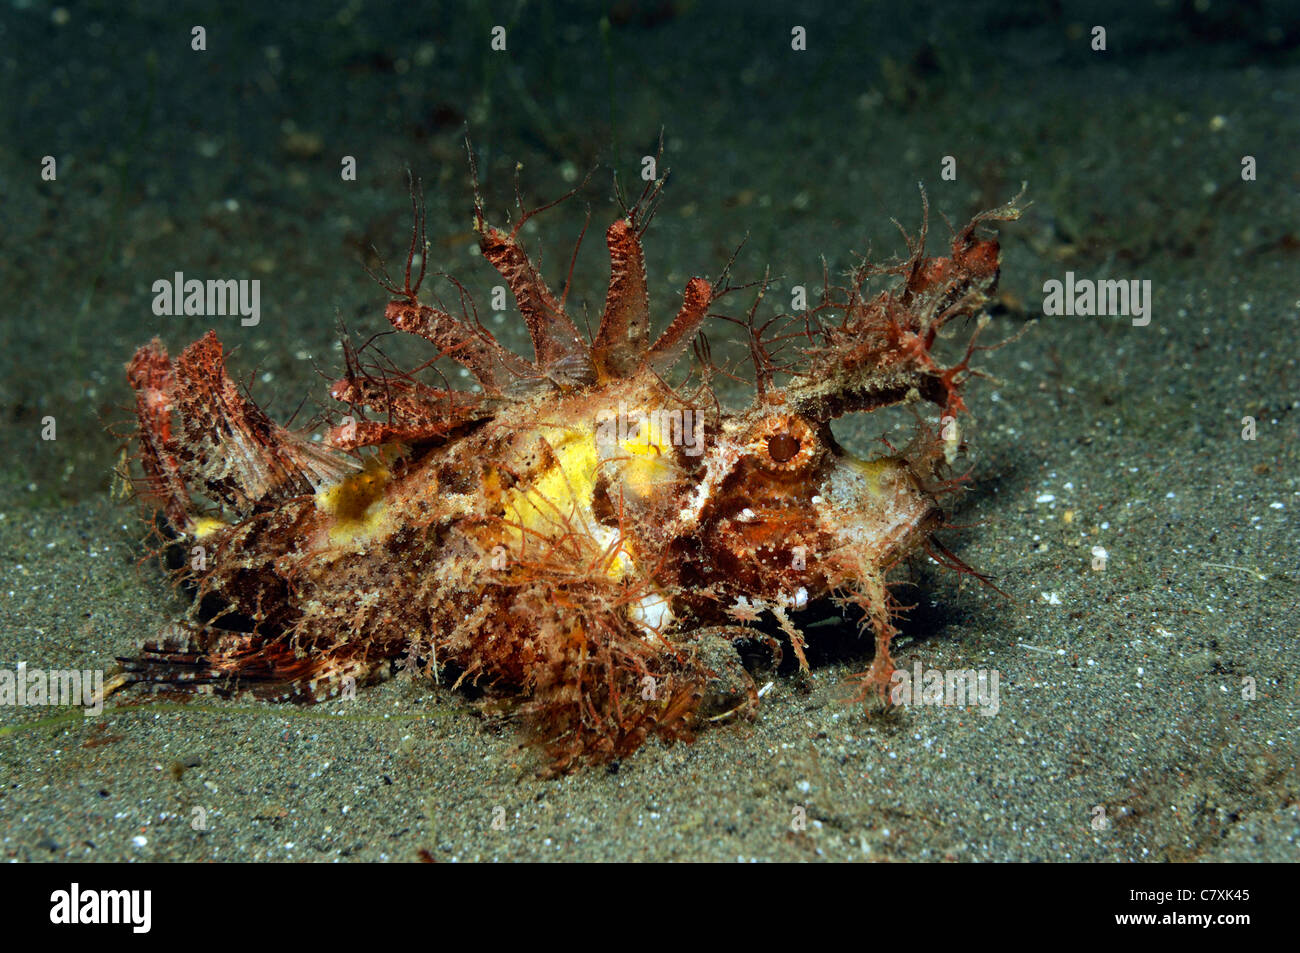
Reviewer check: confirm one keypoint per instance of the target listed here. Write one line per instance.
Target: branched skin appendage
(575, 532)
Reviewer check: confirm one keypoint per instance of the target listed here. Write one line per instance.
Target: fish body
(575, 532)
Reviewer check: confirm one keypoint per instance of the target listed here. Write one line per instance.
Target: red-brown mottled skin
(540, 534)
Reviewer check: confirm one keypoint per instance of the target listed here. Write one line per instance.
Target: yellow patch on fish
(879, 473)
(558, 502)
(356, 504)
(205, 526)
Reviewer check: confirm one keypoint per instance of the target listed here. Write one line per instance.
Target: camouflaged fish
(574, 532)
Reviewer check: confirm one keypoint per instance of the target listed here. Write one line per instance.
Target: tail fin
(192, 659)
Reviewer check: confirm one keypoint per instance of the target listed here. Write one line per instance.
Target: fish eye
(784, 443)
(782, 447)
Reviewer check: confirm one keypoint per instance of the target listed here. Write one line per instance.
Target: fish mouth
(910, 535)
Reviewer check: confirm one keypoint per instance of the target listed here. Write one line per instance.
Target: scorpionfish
(574, 533)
